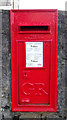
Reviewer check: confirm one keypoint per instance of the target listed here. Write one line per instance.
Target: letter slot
(34, 29)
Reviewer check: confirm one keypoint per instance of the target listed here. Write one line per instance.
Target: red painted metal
(34, 88)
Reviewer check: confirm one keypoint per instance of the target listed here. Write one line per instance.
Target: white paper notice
(34, 54)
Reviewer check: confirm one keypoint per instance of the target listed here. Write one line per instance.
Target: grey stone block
(0, 61)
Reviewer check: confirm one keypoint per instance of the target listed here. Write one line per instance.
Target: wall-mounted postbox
(34, 60)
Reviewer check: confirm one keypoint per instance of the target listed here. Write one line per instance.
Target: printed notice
(34, 54)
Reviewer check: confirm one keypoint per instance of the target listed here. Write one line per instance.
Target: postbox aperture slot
(34, 29)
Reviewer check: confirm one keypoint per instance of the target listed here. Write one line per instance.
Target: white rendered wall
(42, 4)
(6, 4)
(33, 4)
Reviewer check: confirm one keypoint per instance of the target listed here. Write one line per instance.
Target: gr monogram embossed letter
(36, 89)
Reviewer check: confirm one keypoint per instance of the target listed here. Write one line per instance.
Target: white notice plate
(34, 54)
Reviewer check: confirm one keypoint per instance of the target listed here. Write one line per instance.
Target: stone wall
(5, 98)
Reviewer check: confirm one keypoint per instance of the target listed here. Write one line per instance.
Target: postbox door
(34, 64)
(34, 60)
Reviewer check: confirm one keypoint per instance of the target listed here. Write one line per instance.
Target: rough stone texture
(6, 72)
(61, 63)
(66, 61)
(0, 60)
(6, 64)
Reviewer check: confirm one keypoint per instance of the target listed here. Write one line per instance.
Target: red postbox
(34, 60)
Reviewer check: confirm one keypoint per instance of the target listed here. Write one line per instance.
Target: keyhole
(25, 73)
